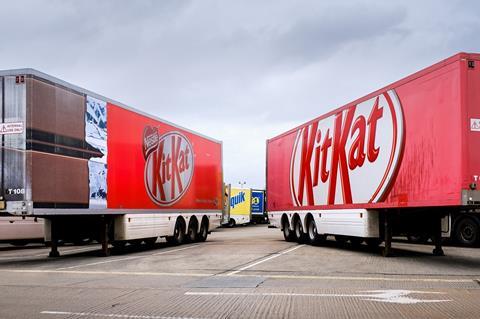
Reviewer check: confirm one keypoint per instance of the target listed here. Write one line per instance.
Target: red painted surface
(440, 154)
(127, 158)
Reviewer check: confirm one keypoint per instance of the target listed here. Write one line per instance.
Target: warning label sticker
(11, 128)
(475, 125)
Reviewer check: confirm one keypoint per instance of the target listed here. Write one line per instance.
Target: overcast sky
(238, 71)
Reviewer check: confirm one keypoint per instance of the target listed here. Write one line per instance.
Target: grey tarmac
(242, 272)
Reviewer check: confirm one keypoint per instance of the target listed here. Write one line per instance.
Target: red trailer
(97, 169)
(393, 162)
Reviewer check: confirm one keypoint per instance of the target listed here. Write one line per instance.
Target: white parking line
(358, 278)
(108, 315)
(398, 296)
(127, 258)
(264, 260)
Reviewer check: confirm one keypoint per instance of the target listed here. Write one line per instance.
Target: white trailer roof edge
(29, 71)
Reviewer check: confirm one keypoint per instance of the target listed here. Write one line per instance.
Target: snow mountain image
(96, 136)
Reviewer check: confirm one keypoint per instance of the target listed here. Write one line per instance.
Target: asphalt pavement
(242, 272)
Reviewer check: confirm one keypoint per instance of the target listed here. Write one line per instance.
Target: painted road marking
(264, 260)
(366, 278)
(134, 273)
(109, 315)
(388, 296)
(127, 258)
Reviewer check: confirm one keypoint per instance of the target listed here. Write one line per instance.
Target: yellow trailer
(239, 206)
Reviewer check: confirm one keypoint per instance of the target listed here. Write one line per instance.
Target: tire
(313, 237)
(178, 237)
(231, 222)
(288, 235)
(467, 232)
(300, 235)
(192, 232)
(203, 232)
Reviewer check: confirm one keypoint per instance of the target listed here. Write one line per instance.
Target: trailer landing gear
(104, 240)
(387, 224)
(54, 239)
(437, 237)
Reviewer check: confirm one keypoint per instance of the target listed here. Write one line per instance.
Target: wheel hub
(467, 233)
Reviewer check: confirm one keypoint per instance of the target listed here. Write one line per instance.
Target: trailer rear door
(14, 179)
(472, 97)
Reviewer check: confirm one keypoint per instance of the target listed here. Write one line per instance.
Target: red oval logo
(349, 157)
(168, 166)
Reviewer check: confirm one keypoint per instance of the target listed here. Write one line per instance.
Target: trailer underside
(132, 228)
(370, 226)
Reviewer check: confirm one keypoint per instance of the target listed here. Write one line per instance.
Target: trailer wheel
(178, 237)
(203, 233)
(299, 233)
(192, 231)
(467, 232)
(231, 222)
(313, 237)
(287, 233)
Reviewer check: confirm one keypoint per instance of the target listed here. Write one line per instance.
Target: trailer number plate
(475, 125)
(2, 204)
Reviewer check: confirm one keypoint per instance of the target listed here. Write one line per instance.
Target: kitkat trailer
(403, 160)
(95, 168)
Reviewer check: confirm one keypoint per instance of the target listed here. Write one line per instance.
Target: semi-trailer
(239, 211)
(403, 160)
(95, 168)
(258, 206)
(21, 230)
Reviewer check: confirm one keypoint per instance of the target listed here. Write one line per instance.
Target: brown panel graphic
(59, 179)
(55, 109)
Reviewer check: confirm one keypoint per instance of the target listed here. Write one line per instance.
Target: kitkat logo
(349, 157)
(168, 165)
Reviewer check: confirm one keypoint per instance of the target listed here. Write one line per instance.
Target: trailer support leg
(54, 239)
(437, 237)
(387, 251)
(104, 236)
